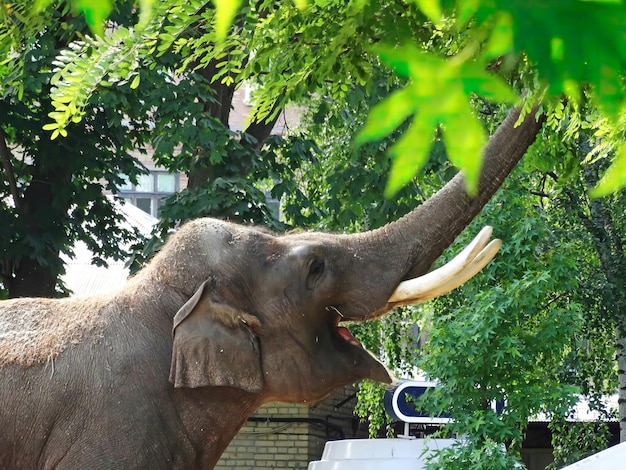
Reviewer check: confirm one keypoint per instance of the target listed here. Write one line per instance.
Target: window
(150, 190)
(166, 182)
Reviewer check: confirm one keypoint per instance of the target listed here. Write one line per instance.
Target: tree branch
(262, 130)
(5, 155)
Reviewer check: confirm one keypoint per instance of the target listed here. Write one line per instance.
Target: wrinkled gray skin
(157, 377)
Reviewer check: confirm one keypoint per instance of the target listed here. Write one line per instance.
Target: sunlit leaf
(146, 9)
(42, 4)
(464, 140)
(565, 58)
(398, 58)
(465, 10)
(500, 41)
(225, 11)
(614, 178)
(438, 94)
(135, 83)
(477, 80)
(95, 12)
(387, 116)
(410, 153)
(430, 8)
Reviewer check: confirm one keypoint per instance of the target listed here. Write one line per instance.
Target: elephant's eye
(316, 269)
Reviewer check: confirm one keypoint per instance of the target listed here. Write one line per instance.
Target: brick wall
(282, 436)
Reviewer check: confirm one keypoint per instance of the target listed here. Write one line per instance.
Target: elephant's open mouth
(343, 332)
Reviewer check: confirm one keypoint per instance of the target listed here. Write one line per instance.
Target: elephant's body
(163, 373)
(100, 397)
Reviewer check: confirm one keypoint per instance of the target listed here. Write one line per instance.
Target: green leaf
(386, 116)
(432, 10)
(50, 126)
(465, 139)
(466, 9)
(500, 41)
(146, 8)
(397, 57)
(564, 57)
(41, 5)
(477, 80)
(438, 94)
(225, 11)
(410, 153)
(96, 12)
(135, 83)
(614, 178)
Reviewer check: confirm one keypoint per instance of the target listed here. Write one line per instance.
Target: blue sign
(401, 408)
(400, 397)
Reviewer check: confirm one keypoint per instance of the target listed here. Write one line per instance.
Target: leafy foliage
(95, 13)
(292, 49)
(573, 441)
(531, 338)
(52, 193)
(485, 455)
(325, 191)
(553, 304)
(129, 96)
(507, 343)
(437, 95)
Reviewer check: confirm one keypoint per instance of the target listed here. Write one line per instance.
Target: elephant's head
(269, 316)
(267, 311)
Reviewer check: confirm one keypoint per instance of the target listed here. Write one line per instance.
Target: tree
(266, 43)
(453, 348)
(51, 192)
(596, 225)
(505, 340)
(564, 250)
(448, 50)
(545, 297)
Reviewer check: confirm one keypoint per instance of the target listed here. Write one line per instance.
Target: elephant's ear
(214, 345)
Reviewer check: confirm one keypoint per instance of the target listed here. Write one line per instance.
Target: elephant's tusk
(451, 275)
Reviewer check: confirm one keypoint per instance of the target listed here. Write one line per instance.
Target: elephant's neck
(212, 416)
(147, 296)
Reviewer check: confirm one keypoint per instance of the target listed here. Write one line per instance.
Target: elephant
(163, 372)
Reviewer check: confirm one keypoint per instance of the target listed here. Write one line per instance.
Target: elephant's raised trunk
(409, 246)
(443, 217)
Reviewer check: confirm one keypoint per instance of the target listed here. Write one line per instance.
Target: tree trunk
(220, 109)
(610, 248)
(620, 344)
(35, 274)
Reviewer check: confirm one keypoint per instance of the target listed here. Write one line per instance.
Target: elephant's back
(36, 330)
